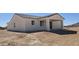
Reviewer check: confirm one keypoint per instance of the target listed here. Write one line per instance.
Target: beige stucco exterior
(20, 25)
(23, 23)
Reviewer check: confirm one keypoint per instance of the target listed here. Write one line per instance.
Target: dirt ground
(8, 38)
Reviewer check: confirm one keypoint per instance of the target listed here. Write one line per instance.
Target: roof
(35, 17)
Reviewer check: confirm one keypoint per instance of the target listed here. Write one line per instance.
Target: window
(33, 22)
(14, 25)
(41, 23)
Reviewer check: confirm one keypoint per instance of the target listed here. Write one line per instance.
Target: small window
(14, 25)
(33, 22)
(41, 23)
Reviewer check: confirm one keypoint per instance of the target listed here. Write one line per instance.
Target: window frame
(41, 23)
(14, 25)
(33, 22)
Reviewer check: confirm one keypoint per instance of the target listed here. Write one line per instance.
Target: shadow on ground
(64, 32)
(60, 32)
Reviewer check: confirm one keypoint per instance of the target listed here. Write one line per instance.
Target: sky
(69, 18)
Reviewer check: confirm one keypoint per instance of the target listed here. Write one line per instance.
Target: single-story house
(26, 23)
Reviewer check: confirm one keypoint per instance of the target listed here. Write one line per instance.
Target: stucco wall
(54, 17)
(19, 24)
(36, 26)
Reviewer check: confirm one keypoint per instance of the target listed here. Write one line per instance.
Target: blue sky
(70, 18)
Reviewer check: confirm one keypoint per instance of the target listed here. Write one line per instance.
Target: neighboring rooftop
(74, 25)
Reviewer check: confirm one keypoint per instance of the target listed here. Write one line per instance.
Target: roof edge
(31, 16)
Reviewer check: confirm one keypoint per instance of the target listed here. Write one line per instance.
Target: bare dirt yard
(8, 38)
